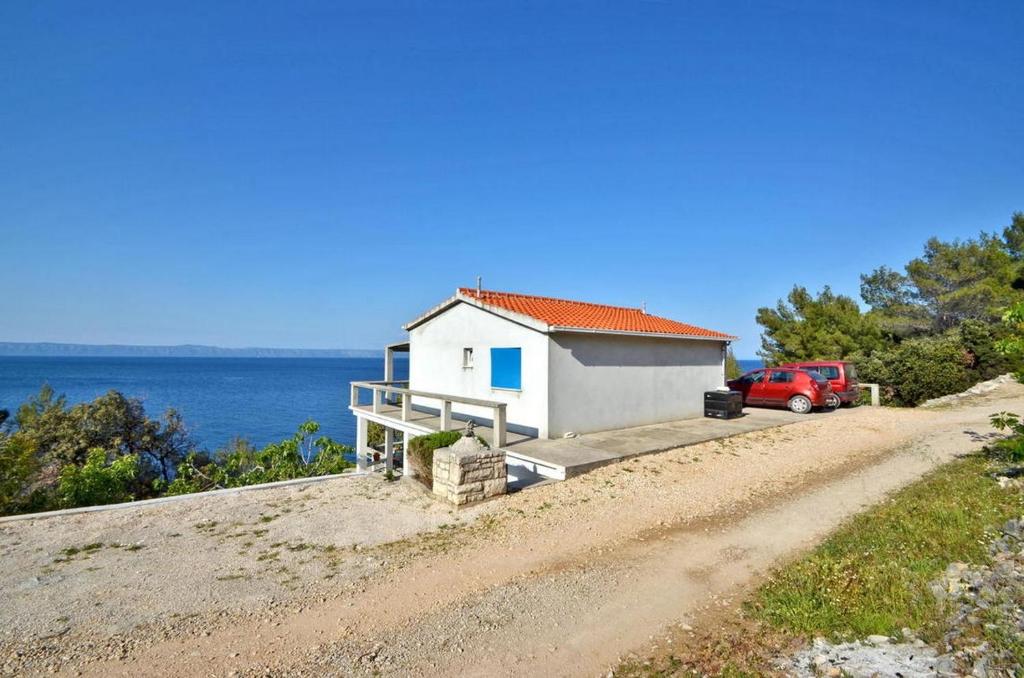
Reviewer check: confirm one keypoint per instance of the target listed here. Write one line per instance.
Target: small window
(467, 357)
(506, 368)
(780, 378)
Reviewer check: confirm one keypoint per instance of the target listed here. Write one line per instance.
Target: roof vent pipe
(479, 285)
(643, 307)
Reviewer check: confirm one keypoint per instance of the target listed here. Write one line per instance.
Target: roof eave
(630, 333)
(436, 310)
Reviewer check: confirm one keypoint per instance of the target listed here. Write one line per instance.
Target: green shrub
(421, 453)
(732, 366)
(18, 462)
(983, 344)
(240, 464)
(374, 434)
(1010, 449)
(114, 422)
(96, 482)
(919, 369)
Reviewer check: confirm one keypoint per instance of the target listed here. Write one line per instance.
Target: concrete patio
(533, 459)
(572, 456)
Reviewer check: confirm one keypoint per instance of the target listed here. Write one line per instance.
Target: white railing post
(499, 425)
(446, 415)
(407, 470)
(361, 431)
(389, 449)
(406, 406)
(447, 401)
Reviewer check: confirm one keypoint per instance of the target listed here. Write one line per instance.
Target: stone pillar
(469, 472)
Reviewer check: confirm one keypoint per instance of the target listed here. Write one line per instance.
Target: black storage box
(723, 404)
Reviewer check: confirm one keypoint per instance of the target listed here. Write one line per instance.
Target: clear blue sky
(309, 174)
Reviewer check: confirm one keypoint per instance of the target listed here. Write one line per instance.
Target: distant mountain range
(45, 349)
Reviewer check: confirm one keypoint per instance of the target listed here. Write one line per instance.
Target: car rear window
(817, 376)
(827, 371)
(851, 371)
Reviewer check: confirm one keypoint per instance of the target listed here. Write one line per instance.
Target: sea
(747, 365)
(261, 399)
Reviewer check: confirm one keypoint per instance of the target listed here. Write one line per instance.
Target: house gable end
(451, 302)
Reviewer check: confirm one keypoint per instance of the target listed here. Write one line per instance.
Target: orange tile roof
(584, 315)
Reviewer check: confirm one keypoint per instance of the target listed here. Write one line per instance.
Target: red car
(841, 375)
(799, 390)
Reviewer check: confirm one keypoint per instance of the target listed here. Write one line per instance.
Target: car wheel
(833, 402)
(800, 404)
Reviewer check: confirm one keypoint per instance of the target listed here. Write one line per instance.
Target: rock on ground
(979, 389)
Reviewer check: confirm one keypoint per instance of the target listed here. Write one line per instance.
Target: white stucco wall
(599, 382)
(435, 364)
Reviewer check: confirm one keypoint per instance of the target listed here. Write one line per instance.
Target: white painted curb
(180, 497)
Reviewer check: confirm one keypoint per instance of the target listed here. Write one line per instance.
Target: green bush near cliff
(98, 482)
(302, 456)
(53, 455)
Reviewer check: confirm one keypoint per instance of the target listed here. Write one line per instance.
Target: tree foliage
(893, 303)
(108, 450)
(1011, 345)
(804, 327)
(918, 369)
(112, 422)
(18, 464)
(732, 366)
(1013, 237)
(98, 482)
(982, 343)
(301, 456)
(932, 329)
(951, 282)
(961, 280)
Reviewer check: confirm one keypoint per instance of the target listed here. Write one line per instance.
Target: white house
(547, 366)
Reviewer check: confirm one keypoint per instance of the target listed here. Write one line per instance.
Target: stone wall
(465, 477)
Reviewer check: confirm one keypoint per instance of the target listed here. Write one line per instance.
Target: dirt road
(559, 580)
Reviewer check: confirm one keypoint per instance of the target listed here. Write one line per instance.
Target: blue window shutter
(507, 368)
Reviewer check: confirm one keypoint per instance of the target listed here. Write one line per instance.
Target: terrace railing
(383, 392)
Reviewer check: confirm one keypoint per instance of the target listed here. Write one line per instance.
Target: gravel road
(362, 576)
